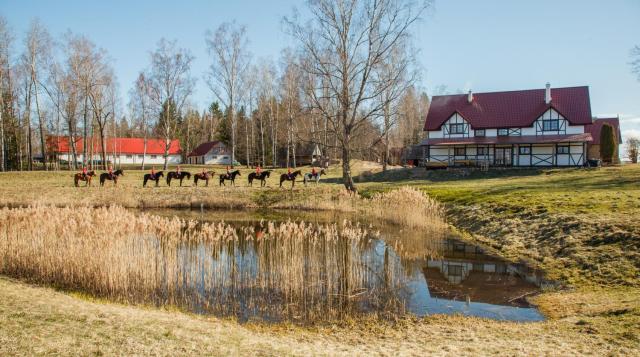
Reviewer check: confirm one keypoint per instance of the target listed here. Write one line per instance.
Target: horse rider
(178, 170)
(204, 172)
(84, 172)
(289, 173)
(153, 173)
(258, 171)
(228, 172)
(111, 172)
(314, 173)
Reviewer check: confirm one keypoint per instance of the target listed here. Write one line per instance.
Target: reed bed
(408, 207)
(274, 271)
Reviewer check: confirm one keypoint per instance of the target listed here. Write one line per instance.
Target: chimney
(470, 96)
(547, 94)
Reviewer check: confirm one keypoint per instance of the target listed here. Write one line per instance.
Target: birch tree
(6, 39)
(227, 47)
(170, 84)
(38, 52)
(139, 100)
(344, 41)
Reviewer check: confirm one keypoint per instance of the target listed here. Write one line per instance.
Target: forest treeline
(350, 86)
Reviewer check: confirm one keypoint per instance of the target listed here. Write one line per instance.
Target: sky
(488, 45)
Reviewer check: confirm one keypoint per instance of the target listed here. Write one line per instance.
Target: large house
(119, 150)
(210, 153)
(538, 127)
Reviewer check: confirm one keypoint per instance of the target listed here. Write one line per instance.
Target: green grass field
(581, 226)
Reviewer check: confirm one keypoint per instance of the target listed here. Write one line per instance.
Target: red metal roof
(510, 109)
(528, 139)
(204, 148)
(596, 127)
(60, 144)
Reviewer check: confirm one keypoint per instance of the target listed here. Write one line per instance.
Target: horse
(291, 177)
(203, 176)
(231, 177)
(114, 176)
(262, 177)
(311, 177)
(156, 178)
(178, 176)
(86, 178)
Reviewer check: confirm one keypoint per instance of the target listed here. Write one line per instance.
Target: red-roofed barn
(119, 150)
(210, 153)
(538, 127)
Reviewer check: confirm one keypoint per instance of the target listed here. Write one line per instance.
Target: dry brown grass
(35, 321)
(289, 270)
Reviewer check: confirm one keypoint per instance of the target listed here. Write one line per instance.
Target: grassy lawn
(581, 226)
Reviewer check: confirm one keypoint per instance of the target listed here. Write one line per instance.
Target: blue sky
(486, 45)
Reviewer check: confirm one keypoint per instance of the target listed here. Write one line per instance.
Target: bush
(607, 143)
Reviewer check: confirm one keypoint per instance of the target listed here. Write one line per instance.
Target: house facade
(120, 151)
(539, 127)
(210, 153)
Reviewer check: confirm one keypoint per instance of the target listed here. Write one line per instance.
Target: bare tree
(6, 38)
(139, 99)
(230, 59)
(633, 148)
(37, 55)
(169, 84)
(290, 94)
(101, 97)
(344, 42)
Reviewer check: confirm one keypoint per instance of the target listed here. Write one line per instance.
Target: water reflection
(391, 272)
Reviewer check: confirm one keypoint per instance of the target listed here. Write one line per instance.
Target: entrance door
(503, 157)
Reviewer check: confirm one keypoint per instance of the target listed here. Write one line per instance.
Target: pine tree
(223, 132)
(607, 143)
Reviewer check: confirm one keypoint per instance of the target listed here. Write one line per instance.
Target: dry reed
(288, 270)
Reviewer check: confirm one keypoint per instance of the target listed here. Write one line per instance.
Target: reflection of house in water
(466, 272)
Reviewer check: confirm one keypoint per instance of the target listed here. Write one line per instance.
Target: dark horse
(231, 177)
(262, 177)
(203, 176)
(178, 176)
(86, 178)
(114, 177)
(156, 178)
(287, 177)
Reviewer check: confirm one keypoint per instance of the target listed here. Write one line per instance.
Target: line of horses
(201, 176)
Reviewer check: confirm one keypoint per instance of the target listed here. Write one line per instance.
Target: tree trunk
(167, 145)
(2, 155)
(346, 165)
(43, 148)
(103, 145)
(84, 138)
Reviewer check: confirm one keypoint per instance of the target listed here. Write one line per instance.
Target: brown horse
(177, 176)
(203, 176)
(231, 177)
(289, 177)
(86, 178)
(262, 177)
(113, 177)
(156, 178)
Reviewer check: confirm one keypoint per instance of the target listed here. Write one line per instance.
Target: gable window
(564, 149)
(456, 128)
(480, 133)
(481, 151)
(550, 125)
(525, 150)
(503, 132)
(460, 151)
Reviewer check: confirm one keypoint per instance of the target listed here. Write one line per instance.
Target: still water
(392, 272)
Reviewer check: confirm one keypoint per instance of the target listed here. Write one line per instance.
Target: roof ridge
(509, 91)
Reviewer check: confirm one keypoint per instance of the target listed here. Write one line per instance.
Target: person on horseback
(314, 173)
(204, 172)
(289, 173)
(178, 170)
(153, 173)
(84, 173)
(110, 172)
(258, 171)
(228, 172)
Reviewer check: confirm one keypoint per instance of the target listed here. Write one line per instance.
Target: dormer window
(456, 128)
(550, 125)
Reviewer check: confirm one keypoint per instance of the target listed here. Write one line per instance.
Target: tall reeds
(276, 271)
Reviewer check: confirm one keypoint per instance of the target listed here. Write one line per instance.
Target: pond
(390, 272)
